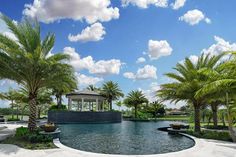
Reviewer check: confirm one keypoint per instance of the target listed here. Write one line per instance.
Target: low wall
(63, 117)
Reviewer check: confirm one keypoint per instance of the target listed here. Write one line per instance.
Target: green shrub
(216, 135)
(13, 119)
(55, 107)
(21, 132)
(33, 137)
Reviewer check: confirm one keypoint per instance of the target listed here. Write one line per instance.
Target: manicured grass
(28, 145)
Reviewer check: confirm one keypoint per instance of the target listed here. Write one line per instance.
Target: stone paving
(202, 148)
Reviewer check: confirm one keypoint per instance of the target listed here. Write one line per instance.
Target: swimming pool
(136, 138)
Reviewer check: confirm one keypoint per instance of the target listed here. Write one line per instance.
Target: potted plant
(176, 126)
(49, 127)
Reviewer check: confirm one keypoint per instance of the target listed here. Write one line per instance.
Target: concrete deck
(202, 148)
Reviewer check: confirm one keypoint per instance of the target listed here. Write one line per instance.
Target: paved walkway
(202, 148)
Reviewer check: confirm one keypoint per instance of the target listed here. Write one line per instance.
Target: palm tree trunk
(110, 103)
(12, 108)
(33, 112)
(215, 117)
(135, 112)
(197, 125)
(232, 133)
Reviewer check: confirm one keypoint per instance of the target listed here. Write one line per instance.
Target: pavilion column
(82, 104)
(97, 104)
(69, 103)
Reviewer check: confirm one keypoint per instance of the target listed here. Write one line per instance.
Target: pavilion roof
(85, 92)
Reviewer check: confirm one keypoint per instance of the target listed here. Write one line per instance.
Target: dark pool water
(136, 138)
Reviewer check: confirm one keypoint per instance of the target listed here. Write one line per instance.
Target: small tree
(111, 91)
(135, 99)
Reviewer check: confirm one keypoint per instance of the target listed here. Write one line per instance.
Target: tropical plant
(119, 104)
(67, 83)
(187, 81)
(92, 88)
(156, 108)
(111, 91)
(26, 61)
(135, 99)
(222, 84)
(11, 96)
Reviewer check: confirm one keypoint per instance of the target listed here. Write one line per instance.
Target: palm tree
(187, 81)
(119, 104)
(222, 84)
(67, 83)
(27, 61)
(11, 96)
(92, 88)
(134, 99)
(111, 91)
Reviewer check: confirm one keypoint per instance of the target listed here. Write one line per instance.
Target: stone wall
(63, 117)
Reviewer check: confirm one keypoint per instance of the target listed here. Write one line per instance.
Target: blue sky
(108, 36)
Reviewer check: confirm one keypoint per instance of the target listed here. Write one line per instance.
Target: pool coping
(58, 143)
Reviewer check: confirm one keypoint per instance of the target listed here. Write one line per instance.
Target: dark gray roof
(85, 92)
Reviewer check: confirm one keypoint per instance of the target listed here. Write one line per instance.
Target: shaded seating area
(85, 100)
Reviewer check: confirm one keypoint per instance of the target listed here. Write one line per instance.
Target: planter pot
(50, 128)
(176, 126)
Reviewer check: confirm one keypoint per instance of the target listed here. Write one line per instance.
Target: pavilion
(85, 100)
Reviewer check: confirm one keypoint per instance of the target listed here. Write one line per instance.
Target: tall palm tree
(27, 61)
(111, 91)
(222, 83)
(187, 81)
(134, 99)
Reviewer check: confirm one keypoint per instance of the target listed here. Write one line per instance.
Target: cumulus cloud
(150, 93)
(141, 60)
(145, 3)
(5, 31)
(193, 17)
(193, 59)
(91, 11)
(101, 67)
(220, 46)
(95, 32)
(147, 72)
(85, 80)
(178, 4)
(157, 49)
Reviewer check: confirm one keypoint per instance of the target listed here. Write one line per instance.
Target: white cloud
(84, 80)
(178, 4)
(145, 3)
(207, 20)
(220, 46)
(90, 10)
(157, 49)
(141, 60)
(129, 75)
(217, 48)
(147, 72)
(5, 31)
(95, 32)
(150, 93)
(101, 67)
(10, 35)
(193, 17)
(193, 59)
